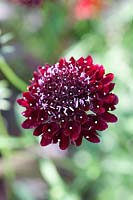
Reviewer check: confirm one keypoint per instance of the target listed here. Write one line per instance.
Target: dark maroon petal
(22, 102)
(80, 116)
(111, 99)
(91, 135)
(45, 141)
(27, 113)
(89, 60)
(108, 117)
(100, 73)
(56, 137)
(87, 125)
(73, 61)
(96, 107)
(51, 128)
(27, 95)
(91, 71)
(109, 107)
(108, 78)
(80, 61)
(93, 139)
(38, 131)
(100, 125)
(64, 142)
(78, 142)
(97, 122)
(29, 123)
(42, 116)
(72, 129)
(108, 88)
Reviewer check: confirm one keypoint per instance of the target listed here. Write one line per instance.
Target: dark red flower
(29, 3)
(68, 101)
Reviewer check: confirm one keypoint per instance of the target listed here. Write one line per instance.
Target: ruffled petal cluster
(69, 101)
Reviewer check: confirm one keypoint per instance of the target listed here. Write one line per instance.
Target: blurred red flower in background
(86, 9)
(69, 101)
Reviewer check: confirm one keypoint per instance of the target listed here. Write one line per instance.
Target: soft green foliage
(90, 172)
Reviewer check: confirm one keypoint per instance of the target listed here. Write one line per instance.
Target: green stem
(11, 76)
(6, 153)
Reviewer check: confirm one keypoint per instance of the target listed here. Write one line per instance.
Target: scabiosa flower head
(69, 101)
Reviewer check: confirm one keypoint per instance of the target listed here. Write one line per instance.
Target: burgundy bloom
(29, 3)
(69, 101)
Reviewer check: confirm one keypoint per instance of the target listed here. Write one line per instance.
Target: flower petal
(97, 122)
(64, 142)
(45, 141)
(108, 117)
(51, 128)
(29, 123)
(78, 142)
(80, 116)
(100, 125)
(108, 78)
(38, 131)
(91, 135)
(22, 102)
(111, 99)
(72, 129)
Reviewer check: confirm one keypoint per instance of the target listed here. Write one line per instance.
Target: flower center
(63, 90)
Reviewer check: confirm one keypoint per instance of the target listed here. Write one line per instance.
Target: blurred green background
(32, 36)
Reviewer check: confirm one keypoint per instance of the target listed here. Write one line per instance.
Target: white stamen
(71, 108)
(65, 109)
(70, 127)
(49, 130)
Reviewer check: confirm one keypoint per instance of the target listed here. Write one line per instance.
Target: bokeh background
(31, 35)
